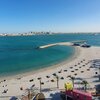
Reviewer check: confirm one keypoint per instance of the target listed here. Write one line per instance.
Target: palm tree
(72, 78)
(99, 73)
(40, 85)
(57, 81)
(57, 78)
(85, 83)
(29, 94)
(40, 82)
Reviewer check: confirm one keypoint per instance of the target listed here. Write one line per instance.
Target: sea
(19, 54)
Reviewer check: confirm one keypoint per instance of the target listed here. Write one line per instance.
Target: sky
(49, 15)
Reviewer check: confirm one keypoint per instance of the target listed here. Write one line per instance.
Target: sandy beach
(77, 66)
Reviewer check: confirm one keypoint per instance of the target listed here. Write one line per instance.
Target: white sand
(14, 84)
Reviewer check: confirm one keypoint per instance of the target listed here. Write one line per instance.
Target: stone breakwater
(62, 43)
(54, 44)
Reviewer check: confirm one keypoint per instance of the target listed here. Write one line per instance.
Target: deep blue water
(18, 53)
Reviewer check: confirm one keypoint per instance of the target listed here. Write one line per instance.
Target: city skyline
(49, 15)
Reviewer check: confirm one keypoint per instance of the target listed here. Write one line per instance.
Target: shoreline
(83, 56)
(28, 73)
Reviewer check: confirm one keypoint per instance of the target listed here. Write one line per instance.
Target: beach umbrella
(82, 71)
(39, 78)
(76, 69)
(68, 76)
(78, 63)
(52, 80)
(81, 61)
(71, 67)
(48, 76)
(75, 74)
(31, 80)
(62, 78)
(54, 74)
(88, 69)
(75, 65)
(65, 70)
(60, 71)
(72, 71)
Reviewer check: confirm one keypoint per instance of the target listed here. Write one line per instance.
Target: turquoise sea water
(18, 53)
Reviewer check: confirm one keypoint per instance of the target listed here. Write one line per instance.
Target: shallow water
(18, 53)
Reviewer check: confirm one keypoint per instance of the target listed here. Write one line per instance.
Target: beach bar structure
(77, 95)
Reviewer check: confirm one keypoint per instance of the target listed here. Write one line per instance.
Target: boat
(85, 45)
(76, 44)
